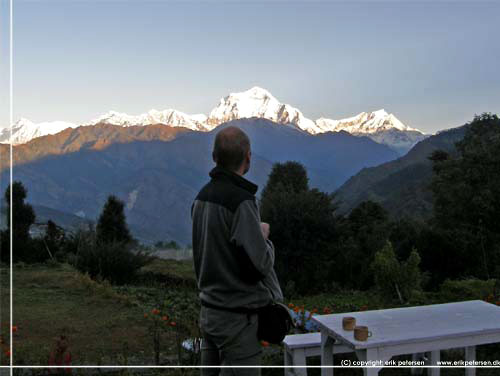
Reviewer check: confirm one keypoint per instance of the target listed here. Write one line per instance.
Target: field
(105, 325)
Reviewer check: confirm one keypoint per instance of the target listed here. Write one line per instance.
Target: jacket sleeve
(255, 253)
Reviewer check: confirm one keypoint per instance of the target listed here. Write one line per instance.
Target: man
(233, 259)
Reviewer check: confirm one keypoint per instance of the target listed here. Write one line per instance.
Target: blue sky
(433, 64)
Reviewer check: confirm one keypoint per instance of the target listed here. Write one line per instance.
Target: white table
(411, 330)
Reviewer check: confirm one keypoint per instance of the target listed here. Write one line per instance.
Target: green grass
(100, 323)
(180, 269)
(171, 271)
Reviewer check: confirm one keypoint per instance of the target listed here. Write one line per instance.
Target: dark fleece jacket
(233, 261)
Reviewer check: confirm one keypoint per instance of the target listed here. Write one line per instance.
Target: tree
(411, 277)
(395, 279)
(112, 225)
(54, 238)
(466, 189)
(289, 176)
(405, 235)
(387, 272)
(362, 234)
(302, 228)
(23, 216)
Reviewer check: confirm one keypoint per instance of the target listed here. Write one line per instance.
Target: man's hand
(266, 229)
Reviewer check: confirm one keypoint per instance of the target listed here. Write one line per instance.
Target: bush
(467, 289)
(27, 250)
(113, 261)
(184, 308)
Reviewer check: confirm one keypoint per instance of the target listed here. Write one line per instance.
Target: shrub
(113, 261)
(467, 289)
(185, 309)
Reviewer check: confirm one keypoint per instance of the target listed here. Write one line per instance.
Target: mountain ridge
(379, 125)
(401, 186)
(158, 179)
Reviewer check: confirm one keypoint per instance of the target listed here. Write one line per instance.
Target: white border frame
(12, 366)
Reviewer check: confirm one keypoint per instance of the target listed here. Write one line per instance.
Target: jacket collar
(221, 173)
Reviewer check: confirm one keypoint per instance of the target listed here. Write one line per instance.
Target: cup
(348, 323)
(361, 333)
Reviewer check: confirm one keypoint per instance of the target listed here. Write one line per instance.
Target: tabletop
(414, 324)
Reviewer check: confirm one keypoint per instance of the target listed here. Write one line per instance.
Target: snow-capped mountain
(169, 117)
(380, 125)
(25, 130)
(258, 102)
(365, 123)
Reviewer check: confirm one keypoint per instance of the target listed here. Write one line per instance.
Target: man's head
(232, 150)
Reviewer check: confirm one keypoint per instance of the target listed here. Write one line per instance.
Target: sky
(433, 64)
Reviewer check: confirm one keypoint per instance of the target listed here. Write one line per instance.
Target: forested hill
(401, 186)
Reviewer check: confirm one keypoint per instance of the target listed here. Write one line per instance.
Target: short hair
(230, 148)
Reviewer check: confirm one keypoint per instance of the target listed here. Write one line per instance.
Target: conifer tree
(112, 225)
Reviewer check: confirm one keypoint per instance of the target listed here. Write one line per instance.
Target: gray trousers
(229, 339)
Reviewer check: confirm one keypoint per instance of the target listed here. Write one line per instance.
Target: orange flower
(290, 305)
(296, 309)
(173, 323)
(145, 315)
(7, 353)
(155, 311)
(164, 318)
(498, 303)
(327, 310)
(264, 343)
(315, 310)
(14, 328)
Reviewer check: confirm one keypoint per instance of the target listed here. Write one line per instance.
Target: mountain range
(157, 170)
(380, 126)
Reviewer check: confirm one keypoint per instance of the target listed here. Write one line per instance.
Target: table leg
(417, 357)
(367, 355)
(470, 355)
(288, 361)
(327, 343)
(299, 359)
(435, 357)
